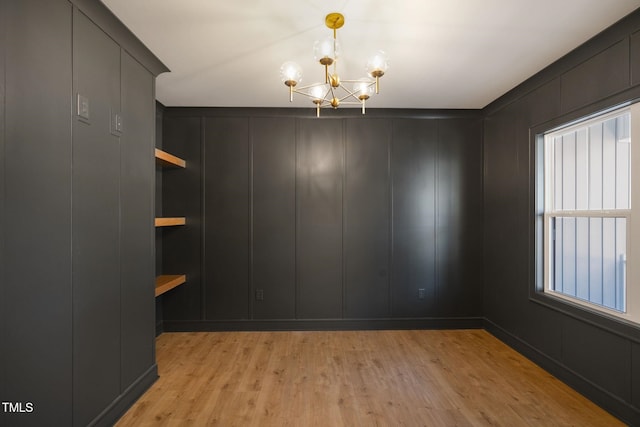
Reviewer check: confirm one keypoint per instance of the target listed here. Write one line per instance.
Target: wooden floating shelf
(169, 160)
(167, 282)
(168, 222)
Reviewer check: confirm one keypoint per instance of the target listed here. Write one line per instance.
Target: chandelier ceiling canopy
(335, 91)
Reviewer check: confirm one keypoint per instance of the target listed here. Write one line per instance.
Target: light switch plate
(116, 123)
(83, 107)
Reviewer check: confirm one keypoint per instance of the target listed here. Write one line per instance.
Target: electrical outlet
(422, 293)
(259, 294)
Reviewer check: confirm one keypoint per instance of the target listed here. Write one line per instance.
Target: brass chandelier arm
(368, 82)
(348, 95)
(333, 92)
(298, 89)
(308, 95)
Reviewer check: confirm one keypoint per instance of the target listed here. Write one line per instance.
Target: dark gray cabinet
(76, 224)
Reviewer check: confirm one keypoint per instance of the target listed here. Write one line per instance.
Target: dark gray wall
(294, 221)
(3, 303)
(182, 196)
(339, 221)
(95, 227)
(273, 183)
(35, 287)
(598, 356)
(76, 215)
(158, 213)
(137, 326)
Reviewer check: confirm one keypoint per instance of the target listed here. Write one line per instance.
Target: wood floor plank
(354, 378)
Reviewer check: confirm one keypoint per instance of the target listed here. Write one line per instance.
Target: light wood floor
(365, 378)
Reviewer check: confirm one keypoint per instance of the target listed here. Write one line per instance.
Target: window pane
(589, 259)
(592, 166)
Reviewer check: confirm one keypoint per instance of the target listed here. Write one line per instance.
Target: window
(587, 216)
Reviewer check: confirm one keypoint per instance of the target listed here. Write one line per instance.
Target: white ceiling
(443, 53)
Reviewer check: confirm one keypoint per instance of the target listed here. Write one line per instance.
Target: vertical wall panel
(35, 210)
(273, 217)
(609, 362)
(319, 191)
(413, 171)
(226, 216)
(137, 233)
(182, 196)
(635, 58)
(366, 207)
(635, 374)
(500, 159)
(96, 257)
(596, 78)
(158, 185)
(459, 213)
(4, 10)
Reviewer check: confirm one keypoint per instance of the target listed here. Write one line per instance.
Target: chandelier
(335, 91)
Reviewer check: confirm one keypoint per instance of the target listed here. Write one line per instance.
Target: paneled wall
(76, 214)
(36, 208)
(598, 356)
(294, 221)
(273, 256)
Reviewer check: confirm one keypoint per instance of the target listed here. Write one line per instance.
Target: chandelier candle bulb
(326, 51)
(317, 92)
(363, 89)
(377, 66)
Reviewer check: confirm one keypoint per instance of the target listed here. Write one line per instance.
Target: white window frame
(632, 283)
